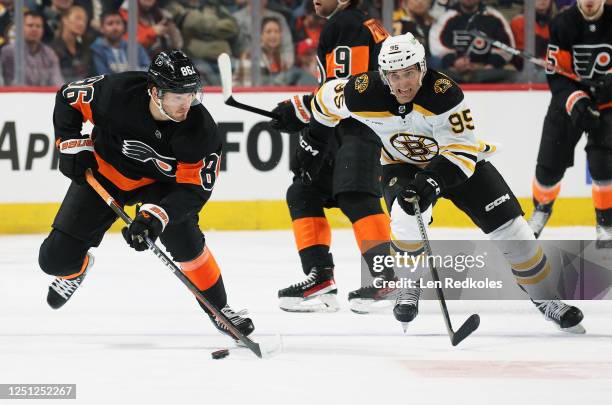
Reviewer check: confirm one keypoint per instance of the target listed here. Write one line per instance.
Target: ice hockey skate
(407, 306)
(237, 318)
(604, 237)
(317, 293)
(566, 317)
(62, 289)
(539, 218)
(375, 297)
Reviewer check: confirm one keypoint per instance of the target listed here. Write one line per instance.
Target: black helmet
(173, 71)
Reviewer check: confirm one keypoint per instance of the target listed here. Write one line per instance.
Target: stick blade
(225, 70)
(469, 326)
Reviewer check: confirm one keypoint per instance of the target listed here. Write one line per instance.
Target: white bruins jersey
(437, 122)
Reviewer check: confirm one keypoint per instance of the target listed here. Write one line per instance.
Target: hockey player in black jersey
(348, 44)
(580, 43)
(152, 142)
(430, 151)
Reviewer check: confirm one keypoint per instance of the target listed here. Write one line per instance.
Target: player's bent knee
(515, 229)
(61, 254)
(302, 203)
(547, 176)
(357, 205)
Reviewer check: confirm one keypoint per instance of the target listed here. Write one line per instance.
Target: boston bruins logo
(362, 82)
(441, 85)
(418, 148)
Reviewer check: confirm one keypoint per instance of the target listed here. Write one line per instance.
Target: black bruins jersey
(437, 126)
(349, 44)
(583, 48)
(133, 149)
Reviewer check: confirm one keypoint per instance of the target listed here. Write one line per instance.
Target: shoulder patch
(379, 33)
(362, 82)
(441, 85)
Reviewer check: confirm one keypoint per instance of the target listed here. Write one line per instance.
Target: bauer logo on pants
(497, 202)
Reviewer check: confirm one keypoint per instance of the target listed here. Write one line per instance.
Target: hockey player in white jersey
(430, 151)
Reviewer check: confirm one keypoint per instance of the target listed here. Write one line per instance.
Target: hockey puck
(220, 354)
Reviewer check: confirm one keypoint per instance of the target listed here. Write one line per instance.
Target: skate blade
(325, 303)
(576, 329)
(369, 306)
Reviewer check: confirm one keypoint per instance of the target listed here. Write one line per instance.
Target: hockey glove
(149, 223)
(310, 156)
(584, 114)
(425, 187)
(76, 156)
(294, 114)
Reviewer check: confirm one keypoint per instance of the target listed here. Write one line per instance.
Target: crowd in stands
(68, 40)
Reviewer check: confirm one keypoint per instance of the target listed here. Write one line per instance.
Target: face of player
(590, 7)
(418, 7)
(324, 8)
(112, 28)
(404, 83)
(32, 29)
(177, 105)
(271, 35)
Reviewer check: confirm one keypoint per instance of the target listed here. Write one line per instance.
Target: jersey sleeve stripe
(189, 173)
(422, 110)
(324, 109)
(458, 146)
(470, 156)
(373, 114)
(118, 179)
(84, 109)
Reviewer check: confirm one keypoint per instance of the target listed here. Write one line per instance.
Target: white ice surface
(133, 335)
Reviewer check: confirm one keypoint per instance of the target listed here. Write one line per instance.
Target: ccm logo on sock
(497, 202)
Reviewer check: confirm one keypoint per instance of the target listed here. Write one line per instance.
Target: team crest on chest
(362, 82)
(144, 153)
(441, 85)
(417, 148)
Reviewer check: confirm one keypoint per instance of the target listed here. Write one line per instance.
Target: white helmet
(400, 52)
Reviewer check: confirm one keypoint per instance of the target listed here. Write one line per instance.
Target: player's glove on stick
(294, 114)
(310, 156)
(425, 187)
(76, 156)
(583, 112)
(149, 223)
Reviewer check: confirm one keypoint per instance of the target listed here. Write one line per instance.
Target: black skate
(317, 293)
(566, 317)
(407, 306)
(62, 289)
(539, 218)
(237, 318)
(374, 297)
(604, 237)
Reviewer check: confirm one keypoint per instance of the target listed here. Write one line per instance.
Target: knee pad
(358, 205)
(303, 202)
(61, 254)
(600, 163)
(548, 176)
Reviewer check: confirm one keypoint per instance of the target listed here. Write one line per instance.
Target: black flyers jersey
(133, 149)
(349, 44)
(583, 48)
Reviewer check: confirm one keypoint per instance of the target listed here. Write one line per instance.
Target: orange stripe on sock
(602, 196)
(311, 231)
(370, 231)
(83, 267)
(543, 194)
(202, 271)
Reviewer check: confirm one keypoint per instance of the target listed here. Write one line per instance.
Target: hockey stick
(110, 201)
(471, 324)
(225, 70)
(539, 62)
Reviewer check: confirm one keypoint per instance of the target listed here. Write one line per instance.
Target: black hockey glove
(76, 156)
(584, 115)
(425, 187)
(149, 223)
(310, 156)
(294, 114)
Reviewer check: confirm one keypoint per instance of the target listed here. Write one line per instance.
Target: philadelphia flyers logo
(591, 59)
(143, 153)
(465, 41)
